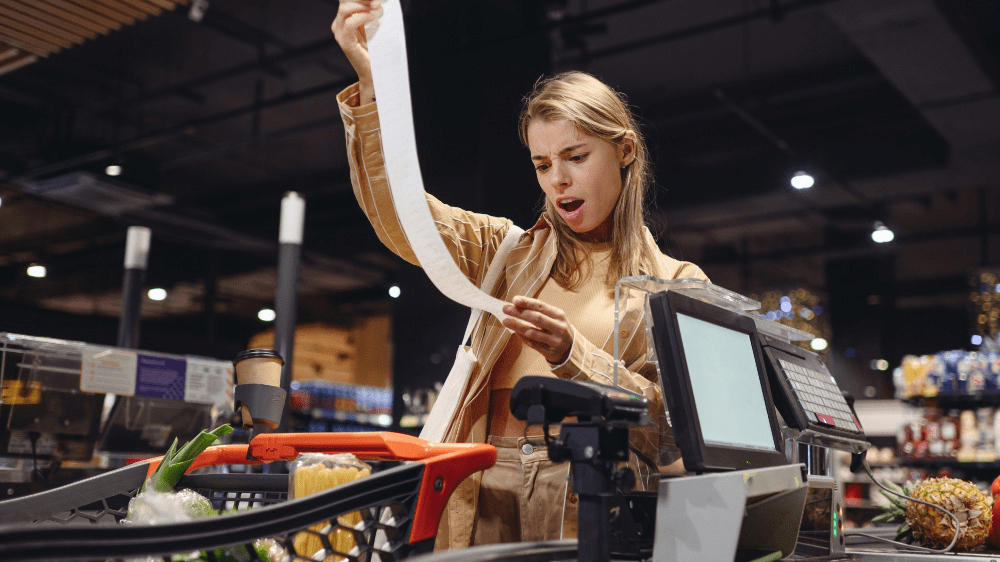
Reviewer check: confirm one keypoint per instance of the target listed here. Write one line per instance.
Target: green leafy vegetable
(176, 461)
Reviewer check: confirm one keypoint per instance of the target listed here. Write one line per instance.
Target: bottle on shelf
(986, 448)
(969, 436)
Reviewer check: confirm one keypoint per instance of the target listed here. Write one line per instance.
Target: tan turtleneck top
(589, 309)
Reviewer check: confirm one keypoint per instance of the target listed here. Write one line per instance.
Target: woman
(592, 165)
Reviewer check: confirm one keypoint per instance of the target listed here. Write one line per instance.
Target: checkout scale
(754, 416)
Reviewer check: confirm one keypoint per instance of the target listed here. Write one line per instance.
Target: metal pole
(592, 483)
(293, 208)
(136, 258)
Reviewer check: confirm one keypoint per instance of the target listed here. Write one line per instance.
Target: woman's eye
(541, 167)
(578, 157)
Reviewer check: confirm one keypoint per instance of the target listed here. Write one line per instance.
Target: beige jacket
(473, 239)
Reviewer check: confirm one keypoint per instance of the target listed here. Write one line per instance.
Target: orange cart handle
(269, 447)
(366, 445)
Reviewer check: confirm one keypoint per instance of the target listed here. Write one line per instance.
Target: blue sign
(160, 377)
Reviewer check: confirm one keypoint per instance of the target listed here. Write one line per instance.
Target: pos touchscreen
(715, 385)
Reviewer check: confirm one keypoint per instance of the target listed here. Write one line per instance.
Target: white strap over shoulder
(492, 274)
(441, 415)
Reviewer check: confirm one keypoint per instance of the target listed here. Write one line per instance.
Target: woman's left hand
(541, 327)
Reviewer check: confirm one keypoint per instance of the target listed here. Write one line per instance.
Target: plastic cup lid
(257, 353)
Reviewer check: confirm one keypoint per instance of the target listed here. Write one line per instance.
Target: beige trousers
(522, 497)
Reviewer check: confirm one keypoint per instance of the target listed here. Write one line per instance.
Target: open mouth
(570, 205)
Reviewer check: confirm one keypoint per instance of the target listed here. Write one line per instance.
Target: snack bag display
(315, 472)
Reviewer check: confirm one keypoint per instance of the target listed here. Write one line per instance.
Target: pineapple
(933, 528)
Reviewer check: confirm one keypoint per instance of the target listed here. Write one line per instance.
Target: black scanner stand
(594, 445)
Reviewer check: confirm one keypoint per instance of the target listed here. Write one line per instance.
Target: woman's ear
(626, 148)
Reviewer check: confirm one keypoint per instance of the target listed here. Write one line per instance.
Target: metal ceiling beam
(174, 131)
(225, 23)
(700, 29)
(863, 200)
(182, 228)
(827, 251)
(232, 72)
(614, 10)
(224, 148)
(923, 56)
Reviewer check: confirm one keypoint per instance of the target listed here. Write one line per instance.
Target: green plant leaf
(176, 461)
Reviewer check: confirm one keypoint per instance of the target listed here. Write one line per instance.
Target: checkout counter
(756, 418)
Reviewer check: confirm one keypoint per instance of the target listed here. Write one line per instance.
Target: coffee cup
(258, 366)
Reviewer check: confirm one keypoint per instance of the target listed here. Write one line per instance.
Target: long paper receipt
(387, 49)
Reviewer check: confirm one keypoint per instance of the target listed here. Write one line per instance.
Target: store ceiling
(215, 109)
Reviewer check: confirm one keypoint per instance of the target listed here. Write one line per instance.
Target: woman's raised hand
(349, 31)
(541, 327)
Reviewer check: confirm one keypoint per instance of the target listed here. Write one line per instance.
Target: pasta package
(311, 473)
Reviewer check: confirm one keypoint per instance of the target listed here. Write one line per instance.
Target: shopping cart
(399, 507)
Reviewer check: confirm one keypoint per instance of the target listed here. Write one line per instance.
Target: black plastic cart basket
(399, 507)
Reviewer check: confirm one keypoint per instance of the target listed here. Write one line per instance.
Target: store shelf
(958, 399)
(320, 406)
(949, 463)
(373, 419)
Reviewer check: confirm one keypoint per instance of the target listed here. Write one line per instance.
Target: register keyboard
(806, 394)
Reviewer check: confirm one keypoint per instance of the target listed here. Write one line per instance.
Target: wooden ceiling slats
(60, 40)
(7, 52)
(166, 4)
(36, 28)
(56, 16)
(23, 60)
(94, 6)
(123, 8)
(69, 8)
(25, 42)
(74, 35)
(144, 6)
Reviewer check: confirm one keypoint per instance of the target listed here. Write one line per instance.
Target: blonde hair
(597, 109)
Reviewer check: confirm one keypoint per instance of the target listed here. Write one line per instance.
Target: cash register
(743, 499)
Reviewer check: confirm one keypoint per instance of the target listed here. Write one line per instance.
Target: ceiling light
(266, 315)
(802, 180)
(394, 291)
(197, 11)
(882, 233)
(879, 365)
(977, 340)
(113, 170)
(818, 344)
(37, 271)
(157, 294)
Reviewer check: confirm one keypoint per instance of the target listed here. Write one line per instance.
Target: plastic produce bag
(314, 472)
(158, 508)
